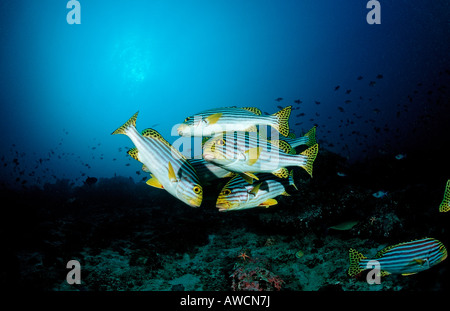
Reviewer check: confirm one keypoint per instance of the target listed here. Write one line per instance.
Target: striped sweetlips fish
(208, 171)
(249, 153)
(404, 258)
(218, 120)
(238, 194)
(445, 204)
(168, 167)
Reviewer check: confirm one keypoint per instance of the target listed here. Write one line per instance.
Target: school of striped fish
(259, 168)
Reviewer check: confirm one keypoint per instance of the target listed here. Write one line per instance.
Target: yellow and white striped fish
(249, 153)
(238, 194)
(169, 168)
(218, 120)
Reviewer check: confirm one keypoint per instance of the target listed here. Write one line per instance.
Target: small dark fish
(300, 114)
(337, 87)
(280, 107)
(279, 99)
(348, 91)
(341, 109)
(379, 76)
(90, 181)
(372, 83)
(348, 101)
(317, 103)
(297, 101)
(359, 78)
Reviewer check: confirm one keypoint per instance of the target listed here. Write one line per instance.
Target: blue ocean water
(374, 91)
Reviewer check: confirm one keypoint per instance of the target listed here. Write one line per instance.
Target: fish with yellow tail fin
(249, 153)
(238, 194)
(168, 167)
(218, 120)
(403, 258)
(445, 204)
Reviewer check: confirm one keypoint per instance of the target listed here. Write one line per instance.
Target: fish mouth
(223, 206)
(208, 156)
(195, 202)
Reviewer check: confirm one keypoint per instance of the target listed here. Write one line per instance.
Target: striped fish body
(238, 194)
(445, 204)
(242, 152)
(218, 120)
(207, 172)
(168, 167)
(404, 258)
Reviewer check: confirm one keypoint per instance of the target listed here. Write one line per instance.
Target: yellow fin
(355, 258)
(253, 155)
(269, 202)
(311, 154)
(130, 123)
(291, 180)
(133, 152)
(172, 175)
(286, 194)
(256, 189)
(253, 109)
(154, 182)
(311, 134)
(281, 173)
(406, 274)
(212, 119)
(445, 204)
(248, 177)
(282, 124)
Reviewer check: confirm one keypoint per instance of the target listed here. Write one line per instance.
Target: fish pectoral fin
(406, 274)
(248, 177)
(286, 194)
(212, 119)
(172, 175)
(256, 189)
(252, 155)
(269, 202)
(154, 182)
(281, 173)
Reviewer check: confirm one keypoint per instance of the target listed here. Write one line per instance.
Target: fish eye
(221, 142)
(197, 189)
(187, 119)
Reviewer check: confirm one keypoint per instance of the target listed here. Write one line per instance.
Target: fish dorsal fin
(253, 155)
(212, 119)
(269, 202)
(151, 133)
(281, 173)
(282, 145)
(248, 177)
(172, 175)
(310, 154)
(255, 189)
(253, 109)
(133, 152)
(154, 182)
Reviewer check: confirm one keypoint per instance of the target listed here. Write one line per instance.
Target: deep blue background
(65, 88)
